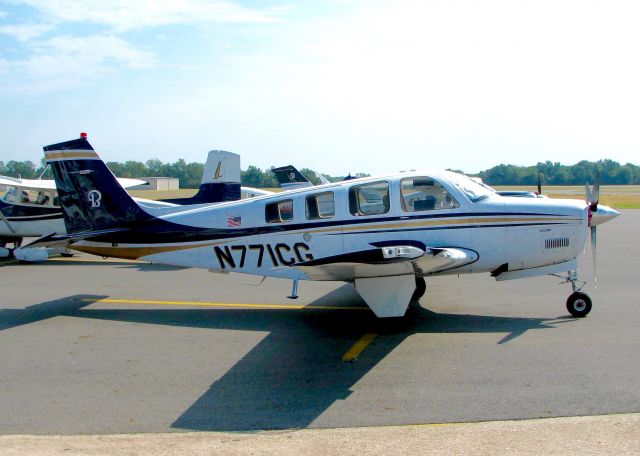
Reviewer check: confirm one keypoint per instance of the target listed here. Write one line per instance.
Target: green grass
(616, 196)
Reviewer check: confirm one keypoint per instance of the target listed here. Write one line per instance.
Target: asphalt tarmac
(89, 346)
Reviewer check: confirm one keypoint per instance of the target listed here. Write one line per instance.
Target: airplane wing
(251, 192)
(388, 259)
(50, 184)
(127, 182)
(44, 184)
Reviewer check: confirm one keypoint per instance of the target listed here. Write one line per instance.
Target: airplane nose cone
(603, 214)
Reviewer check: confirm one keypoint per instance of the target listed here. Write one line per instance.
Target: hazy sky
(338, 86)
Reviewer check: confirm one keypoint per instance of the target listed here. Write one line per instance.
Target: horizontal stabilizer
(51, 240)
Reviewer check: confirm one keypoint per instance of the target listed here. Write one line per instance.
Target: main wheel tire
(579, 304)
(421, 288)
(66, 254)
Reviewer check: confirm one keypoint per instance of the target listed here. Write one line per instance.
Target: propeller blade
(593, 195)
(596, 192)
(587, 190)
(539, 182)
(594, 244)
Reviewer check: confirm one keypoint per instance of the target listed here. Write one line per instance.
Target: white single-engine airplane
(382, 234)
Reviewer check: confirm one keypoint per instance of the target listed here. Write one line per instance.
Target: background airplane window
(281, 211)
(30, 196)
(43, 199)
(369, 199)
(425, 194)
(320, 206)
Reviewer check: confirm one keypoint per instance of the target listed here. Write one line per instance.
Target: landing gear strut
(421, 287)
(578, 303)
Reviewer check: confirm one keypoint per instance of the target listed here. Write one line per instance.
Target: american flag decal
(234, 221)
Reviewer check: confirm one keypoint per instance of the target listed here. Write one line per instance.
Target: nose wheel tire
(421, 287)
(579, 304)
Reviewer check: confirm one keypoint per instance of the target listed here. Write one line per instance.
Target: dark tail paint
(91, 197)
(289, 176)
(211, 192)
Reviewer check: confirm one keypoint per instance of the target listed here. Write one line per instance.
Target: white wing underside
(49, 184)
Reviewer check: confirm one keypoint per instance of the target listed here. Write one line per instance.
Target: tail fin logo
(218, 174)
(95, 198)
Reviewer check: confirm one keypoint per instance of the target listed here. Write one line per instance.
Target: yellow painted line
(221, 304)
(359, 347)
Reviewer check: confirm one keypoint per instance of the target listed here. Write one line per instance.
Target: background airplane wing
(127, 182)
(45, 184)
(49, 184)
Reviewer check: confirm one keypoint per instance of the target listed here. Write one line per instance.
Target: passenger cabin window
(425, 194)
(320, 206)
(281, 211)
(369, 199)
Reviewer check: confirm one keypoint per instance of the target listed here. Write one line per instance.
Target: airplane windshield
(474, 191)
(10, 195)
(21, 195)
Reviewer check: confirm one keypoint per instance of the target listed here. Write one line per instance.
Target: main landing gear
(578, 303)
(421, 287)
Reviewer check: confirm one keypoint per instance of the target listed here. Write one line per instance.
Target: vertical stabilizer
(220, 180)
(290, 178)
(90, 195)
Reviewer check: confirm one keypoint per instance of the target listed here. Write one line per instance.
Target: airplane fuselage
(277, 235)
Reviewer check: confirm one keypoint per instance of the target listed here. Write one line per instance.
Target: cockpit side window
(425, 194)
(369, 199)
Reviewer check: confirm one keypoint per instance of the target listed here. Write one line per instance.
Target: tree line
(190, 174)
(611, 173)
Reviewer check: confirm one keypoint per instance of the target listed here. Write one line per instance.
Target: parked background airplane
(30, 207)
(419, 224)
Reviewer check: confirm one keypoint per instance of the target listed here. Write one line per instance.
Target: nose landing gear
(578, 303)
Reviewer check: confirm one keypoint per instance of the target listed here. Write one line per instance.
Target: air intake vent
(556, 243)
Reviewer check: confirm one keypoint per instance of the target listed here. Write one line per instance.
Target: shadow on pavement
(296, 372)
